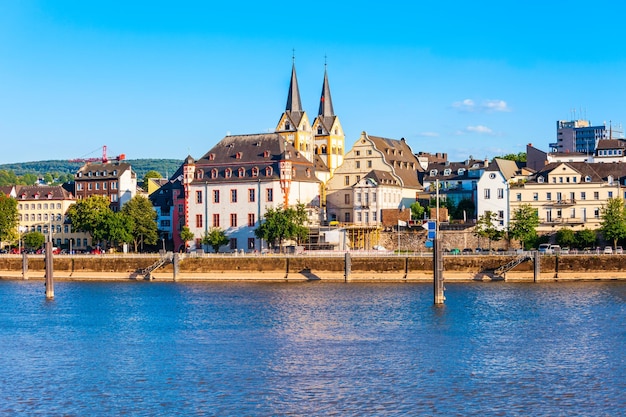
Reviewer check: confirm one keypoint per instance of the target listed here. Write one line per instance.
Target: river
(312, 348)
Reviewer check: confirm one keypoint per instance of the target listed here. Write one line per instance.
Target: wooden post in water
(347, 266)
(24, 266)
(175, 261)
(537, 266)
(439, 296)
(49, 272)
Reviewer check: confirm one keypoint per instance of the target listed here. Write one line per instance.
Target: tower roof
(293, 99)
(326, 102)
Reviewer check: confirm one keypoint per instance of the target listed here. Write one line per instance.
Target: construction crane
(104, 158)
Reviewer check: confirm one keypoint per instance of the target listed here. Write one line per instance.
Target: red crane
(104, 158)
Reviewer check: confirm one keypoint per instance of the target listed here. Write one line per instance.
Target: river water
(315, 349)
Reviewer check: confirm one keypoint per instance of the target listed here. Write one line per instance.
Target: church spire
(293, 99)
(326, 102)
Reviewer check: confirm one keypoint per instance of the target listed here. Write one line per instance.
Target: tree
(585, 238)
(215, 238)
(150, 174)
(34, 240)
(186, 235)
(519, 157)
(280, 224)
(565, 237)
(8, 218)
(417, 211)
(523, 226)
(142, 217)
(486, 227)
(91, 215)
(613, 223)
(118, 228)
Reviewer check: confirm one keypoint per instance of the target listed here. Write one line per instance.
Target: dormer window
(610, 179)
(49, 196)
(24, 196)
(115, 173)
(266, 154)
(255, 172)
(97, 173)
(89, 174)
(238, 155)
(214, 173)
(433, 172)
(540, 180)
(241, 172)
(308, 172)
(228, 172)
(319, 130)
(200, 174)
(79, 174)
(211, 157)
(587, 178)
(293, 173)
(268, 171)
(447, 171)
(287, 126)
(104, 173)
(475, 166)
(461, 171)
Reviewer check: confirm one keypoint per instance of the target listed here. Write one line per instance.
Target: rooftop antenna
(293, 55)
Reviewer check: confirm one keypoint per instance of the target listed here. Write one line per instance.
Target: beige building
(376, 174)
(42, 209)
(569, 194)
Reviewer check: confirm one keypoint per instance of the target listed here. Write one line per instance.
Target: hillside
(166, 167)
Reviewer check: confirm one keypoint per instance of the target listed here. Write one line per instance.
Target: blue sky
(153, 79)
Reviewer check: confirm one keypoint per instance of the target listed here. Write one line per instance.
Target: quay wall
(372, 267)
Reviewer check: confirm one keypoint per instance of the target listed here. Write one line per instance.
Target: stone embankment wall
(372, 267)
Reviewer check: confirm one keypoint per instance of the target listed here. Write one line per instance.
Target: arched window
(255, 172)
(214, 173)
(228, 172)
(242, 172)
(268, 171)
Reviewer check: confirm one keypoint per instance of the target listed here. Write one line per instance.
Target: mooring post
(347, 266)
(175, 260)
(287, 267)
(24, 265)
(439, 296)
(49, 272)
(537, 266)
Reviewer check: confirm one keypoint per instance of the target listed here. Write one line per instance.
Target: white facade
(492, 195)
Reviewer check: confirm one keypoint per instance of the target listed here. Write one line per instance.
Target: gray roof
(398, 154)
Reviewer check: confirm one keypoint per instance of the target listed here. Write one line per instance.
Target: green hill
(166, 167)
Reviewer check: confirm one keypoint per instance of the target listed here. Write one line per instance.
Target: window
(269, 194)
(228, 173)
(583, 195)
(255, 172)
(559, 197)
(358, 164)
(373, 197)
(548, 196)
(88, 187)
(346, 180)
(369, 164)
(241, 172)
(104, 185)
(346, 199)
(358, 217)
(233, 196)
(216, 220)
(180, 208)
(233, 219)
(114, 198)
(268, 171)
(596, 195)
(251, 220)
(610, 194)
(198, 221)
(251, 195)
(487, 193)
(346, 217)
(518, 196)
(233, 243)
(500, 214)
(114, 185)
(214, 173)
(500, 193)
(199, 197)
(596, 213)
(358, 198)
(251, 243)
(535, 196)
(216, 196)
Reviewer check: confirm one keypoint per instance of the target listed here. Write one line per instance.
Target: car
(619, 250)
(608, 250)
(455, 251)
(380, 248)
(545, 248)
(467, 250)
(565, 250)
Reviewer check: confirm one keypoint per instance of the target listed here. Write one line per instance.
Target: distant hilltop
(165, 167)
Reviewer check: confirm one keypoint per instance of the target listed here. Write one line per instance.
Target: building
(114, 180)
(43, 209)
(580, 136)
(376, 174)
(233, 184)
(569, 194)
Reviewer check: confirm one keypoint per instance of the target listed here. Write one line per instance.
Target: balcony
(563, 221)
(562, 203)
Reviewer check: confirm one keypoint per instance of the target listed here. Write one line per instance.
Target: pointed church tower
(294, 126)
(328, 133)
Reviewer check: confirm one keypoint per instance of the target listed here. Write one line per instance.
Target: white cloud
(428, 134)
(486, 106)
(483, 130)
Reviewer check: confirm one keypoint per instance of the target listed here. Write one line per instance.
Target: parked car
(380, 248)
(608, 250)
(545, 248)
(467, 250)
(619, 250)
(564, 251)
(455, 251)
